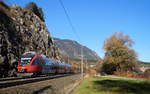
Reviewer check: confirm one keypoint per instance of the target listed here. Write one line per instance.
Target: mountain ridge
(72, 49)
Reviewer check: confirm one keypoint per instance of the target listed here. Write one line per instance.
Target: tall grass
(105, 85)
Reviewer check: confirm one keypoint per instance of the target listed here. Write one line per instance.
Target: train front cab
(30, 65)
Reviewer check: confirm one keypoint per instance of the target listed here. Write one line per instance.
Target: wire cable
(74, 30)
(69, 20)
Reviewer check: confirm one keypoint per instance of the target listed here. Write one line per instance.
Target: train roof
(28, 55)
(30, 52)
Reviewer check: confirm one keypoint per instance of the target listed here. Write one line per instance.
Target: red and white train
(35, 64)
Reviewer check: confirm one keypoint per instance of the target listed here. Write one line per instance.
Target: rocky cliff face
(22, 31)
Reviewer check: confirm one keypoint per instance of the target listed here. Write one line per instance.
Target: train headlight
(23, 70)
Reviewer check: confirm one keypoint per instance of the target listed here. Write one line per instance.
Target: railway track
(9, 82)
(57, 85)
(17, 78)
(12, 78)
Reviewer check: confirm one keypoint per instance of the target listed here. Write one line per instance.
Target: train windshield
(25, 61)
(26, 58)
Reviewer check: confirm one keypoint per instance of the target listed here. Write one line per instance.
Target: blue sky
(95, 20)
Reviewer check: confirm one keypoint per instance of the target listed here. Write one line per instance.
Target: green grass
(105, 85)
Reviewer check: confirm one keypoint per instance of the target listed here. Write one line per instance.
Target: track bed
(45, 86)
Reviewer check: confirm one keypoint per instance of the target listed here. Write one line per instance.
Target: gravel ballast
(53, 86)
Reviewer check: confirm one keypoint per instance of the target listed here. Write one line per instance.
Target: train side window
(36, 62)
(42, 62)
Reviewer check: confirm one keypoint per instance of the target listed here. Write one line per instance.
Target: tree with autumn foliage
(119, 56)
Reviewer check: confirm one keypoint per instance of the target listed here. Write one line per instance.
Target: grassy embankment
(107, 85)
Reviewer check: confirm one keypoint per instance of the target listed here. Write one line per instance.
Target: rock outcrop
(22, 31)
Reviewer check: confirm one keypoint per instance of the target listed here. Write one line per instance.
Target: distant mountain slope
(72, 49)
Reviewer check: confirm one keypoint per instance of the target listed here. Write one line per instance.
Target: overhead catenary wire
(69, 20)
(6, 1)
(75, 32)
(9, 2)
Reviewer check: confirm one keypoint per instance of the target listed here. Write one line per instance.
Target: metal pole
(82, 62)
(85, 65)
(68, 60)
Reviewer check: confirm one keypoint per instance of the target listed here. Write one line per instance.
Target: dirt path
(126, 78)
